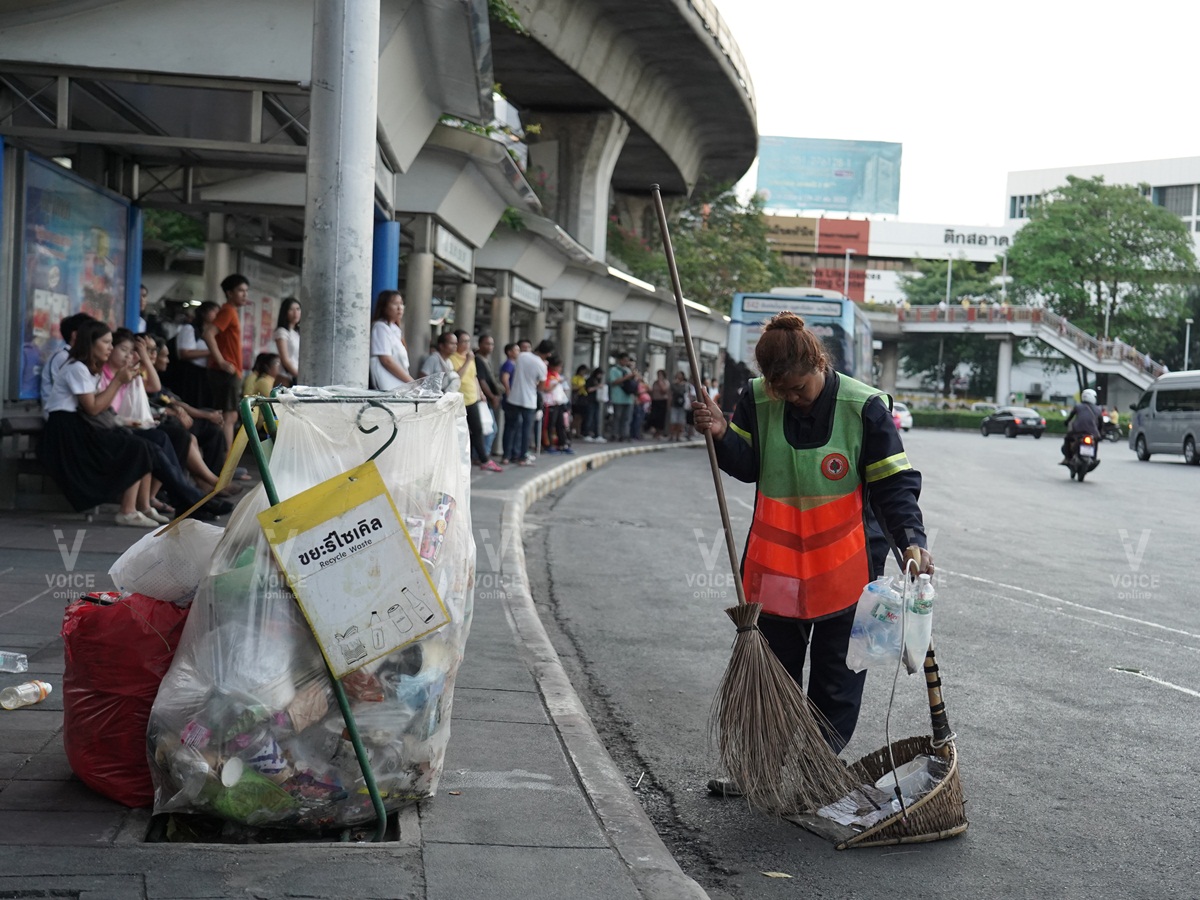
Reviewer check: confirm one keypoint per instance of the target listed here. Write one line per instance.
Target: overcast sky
(976, 90)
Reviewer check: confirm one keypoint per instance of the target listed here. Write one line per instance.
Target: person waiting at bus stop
(825, 457)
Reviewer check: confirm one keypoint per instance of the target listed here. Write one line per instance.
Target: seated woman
(134, 409)
(91, 462)
(204, 424)
(130, 409)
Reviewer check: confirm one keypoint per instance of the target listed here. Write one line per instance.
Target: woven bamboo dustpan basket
(940, 813)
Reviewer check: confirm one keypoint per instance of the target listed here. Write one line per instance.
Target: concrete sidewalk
(539, 809)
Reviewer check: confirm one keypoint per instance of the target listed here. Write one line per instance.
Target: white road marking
(1102, 612)
(1175, 687)
(743, 503)
(27, 602)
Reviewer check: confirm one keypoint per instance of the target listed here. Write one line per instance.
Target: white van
(1166, 418)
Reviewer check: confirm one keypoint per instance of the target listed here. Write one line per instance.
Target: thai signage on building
(454, 251)
(907, 240)
(792, 234)
(590, 316)
(658, 335)
(836, 236)
(525, 293)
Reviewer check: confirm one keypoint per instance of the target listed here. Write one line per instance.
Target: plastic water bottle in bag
(918, 624)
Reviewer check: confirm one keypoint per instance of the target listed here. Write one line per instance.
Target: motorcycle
(1110, 430)
(1084, 456)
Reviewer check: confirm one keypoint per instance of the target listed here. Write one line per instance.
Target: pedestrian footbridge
(1101, 356)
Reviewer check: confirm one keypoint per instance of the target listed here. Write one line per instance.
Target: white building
(1172, 183)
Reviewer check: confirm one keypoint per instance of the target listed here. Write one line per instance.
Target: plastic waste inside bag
(877, 636)
(168, 565)
(245, 726)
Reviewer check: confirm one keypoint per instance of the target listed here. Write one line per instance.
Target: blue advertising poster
(805, 174)
(73, 261)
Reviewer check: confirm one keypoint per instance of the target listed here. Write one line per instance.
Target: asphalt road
(1069, 641)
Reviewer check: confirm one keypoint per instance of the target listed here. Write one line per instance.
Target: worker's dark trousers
(835, 690)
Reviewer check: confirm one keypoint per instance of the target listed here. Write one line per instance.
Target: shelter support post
(339, 234)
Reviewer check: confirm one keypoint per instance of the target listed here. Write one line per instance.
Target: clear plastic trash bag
(245, 725)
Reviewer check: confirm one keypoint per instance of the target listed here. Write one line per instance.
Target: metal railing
(1099, 349)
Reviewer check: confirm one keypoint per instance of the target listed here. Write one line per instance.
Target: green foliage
(1092, 248)
(720, 248)
(502, 13)
(512, 218)
(178, 231)
(937, 357)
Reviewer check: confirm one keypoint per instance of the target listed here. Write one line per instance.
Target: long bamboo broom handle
(730, 546)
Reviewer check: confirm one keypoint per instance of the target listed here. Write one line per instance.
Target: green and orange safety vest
(806, 557)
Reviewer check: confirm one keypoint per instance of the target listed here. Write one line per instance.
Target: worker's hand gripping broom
(766, 730)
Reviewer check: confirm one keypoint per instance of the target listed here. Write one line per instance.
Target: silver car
(1166, 418)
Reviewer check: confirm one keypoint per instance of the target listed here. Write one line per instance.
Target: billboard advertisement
(842, 176)
(73, 260)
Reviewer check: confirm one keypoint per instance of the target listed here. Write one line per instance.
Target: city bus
(841, 325)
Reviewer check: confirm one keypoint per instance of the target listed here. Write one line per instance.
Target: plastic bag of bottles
(246, 726)
(877, 636)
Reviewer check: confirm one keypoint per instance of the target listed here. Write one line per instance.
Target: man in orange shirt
(224, 340)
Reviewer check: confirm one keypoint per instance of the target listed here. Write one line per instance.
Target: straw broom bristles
(766, 728)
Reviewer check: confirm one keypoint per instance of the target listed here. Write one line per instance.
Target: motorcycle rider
(1083, 419)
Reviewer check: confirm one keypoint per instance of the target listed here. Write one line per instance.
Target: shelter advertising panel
(73, 256)
(813, 173)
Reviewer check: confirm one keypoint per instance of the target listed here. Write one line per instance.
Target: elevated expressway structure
(205, 108)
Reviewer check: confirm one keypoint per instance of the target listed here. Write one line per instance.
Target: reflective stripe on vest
(806, 556)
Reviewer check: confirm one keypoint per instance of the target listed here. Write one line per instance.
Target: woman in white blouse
(92, 462)
(287, 340)
(389, 355)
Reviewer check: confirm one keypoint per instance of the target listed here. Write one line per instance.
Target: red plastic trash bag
(116, 655)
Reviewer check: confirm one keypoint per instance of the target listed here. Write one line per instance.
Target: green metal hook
(374, 428)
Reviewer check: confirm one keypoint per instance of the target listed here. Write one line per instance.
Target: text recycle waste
(264, 741)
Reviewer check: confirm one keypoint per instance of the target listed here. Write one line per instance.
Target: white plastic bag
(487, 421)
(877, 636)
(169, 566)
(245, 725)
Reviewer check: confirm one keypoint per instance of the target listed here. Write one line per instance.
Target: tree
(1106, 258)
(939, 357)
(720, 248)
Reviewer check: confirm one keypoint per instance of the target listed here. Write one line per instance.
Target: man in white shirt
(529, 373)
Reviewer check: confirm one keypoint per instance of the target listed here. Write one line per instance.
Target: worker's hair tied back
(786, 348)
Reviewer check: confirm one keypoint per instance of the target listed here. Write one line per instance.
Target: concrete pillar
(218, 258)
(385, 259)
(418, 305)
(889, 365)
(1004, 372)
(566, 338)
(501, 316)
(538, 333)
(464, 307)
(582, 150)
(335, 286)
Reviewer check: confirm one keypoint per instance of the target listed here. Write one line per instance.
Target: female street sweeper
(828, 462)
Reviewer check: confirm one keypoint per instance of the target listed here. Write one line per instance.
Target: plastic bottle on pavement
(25, 694)
(11, 661)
